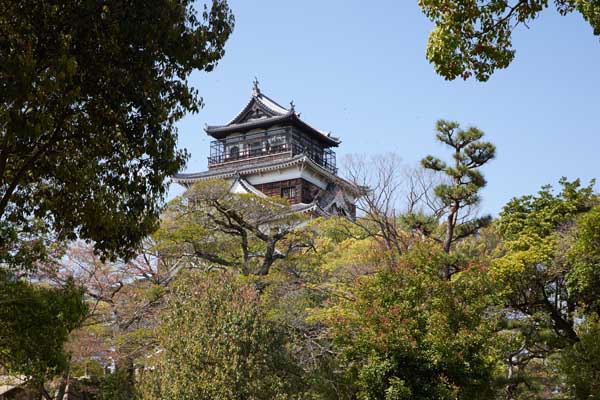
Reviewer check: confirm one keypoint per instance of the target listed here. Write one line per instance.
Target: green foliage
(35, 322)
(91, 93)
(117, 386)
(581, 362)
(541, 215)
(583, 279)
(536, 233)
(210, 226)
(544, 274)
(217, 343)
(421, 222)
(473, 37)
(351, 318)
(469, 153)
(406, 333)
(464, 179)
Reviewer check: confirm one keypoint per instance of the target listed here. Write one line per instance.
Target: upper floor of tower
(264, 130)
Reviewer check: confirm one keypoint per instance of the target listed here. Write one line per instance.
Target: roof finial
(255, 89)
(292, 106)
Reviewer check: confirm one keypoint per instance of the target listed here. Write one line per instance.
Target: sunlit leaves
(474, 38)
(210, 227)
(225, 346)
(407, 332)
(583, 279)
(545, 275)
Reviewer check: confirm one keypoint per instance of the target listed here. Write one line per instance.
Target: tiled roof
(321, 205)
(272, 165)
(10, 382)
(274, 114)
(263, 102)
(248, 187)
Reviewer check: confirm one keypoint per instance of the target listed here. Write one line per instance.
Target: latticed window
(288, 192)
(234, 152)
(255, 148)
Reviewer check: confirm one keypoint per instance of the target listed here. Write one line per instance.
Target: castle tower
(269, 151)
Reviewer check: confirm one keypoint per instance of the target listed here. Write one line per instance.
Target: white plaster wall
(237, 188)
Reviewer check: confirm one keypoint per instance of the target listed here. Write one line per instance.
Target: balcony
(282, 141)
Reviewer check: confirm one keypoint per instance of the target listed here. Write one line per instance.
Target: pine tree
(464, 180)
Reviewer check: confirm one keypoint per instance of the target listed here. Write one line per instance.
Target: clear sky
(358, 69)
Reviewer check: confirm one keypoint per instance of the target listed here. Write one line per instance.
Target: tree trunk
(511, 386)
(451, 222)
(449, 231)
(45, 393)
(60, 394)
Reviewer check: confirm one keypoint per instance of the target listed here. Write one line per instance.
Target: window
(277, 143)
(255, 148)
(288, 193)
(234, 152)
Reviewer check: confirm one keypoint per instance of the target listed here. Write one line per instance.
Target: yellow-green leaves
(210, 227)
(224, 347)
(539, 277)
(583, 279)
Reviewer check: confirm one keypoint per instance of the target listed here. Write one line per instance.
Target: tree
(209, 226)
(89, 98)
(124, 301)
(225, 347)
(35, 322)
(580, 363)
(547, 275)
(126, 298)
(394, 198)
(583, 280)
(461, 193)
(473, 37)
(536, 233)
(403, 332)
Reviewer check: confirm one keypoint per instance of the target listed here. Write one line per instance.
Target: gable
(255, 111)
(259, 106)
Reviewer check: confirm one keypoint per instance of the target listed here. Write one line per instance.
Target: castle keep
(268, 150)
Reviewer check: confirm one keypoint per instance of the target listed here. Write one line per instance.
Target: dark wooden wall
(305, 191)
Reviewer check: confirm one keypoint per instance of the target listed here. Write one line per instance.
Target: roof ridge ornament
(292, 106)
(255, 88)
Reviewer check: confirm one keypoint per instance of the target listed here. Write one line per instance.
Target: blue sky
(360, 71)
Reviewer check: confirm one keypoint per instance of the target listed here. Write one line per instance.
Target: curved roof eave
(264, 103)
(221, 131)
(191, 178)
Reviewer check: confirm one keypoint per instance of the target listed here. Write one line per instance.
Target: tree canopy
(547, 277)
(349, 316)
(464, 180)
(226, 347)
(474, 37)
(213, 227)
(237, 296)
(89, 96)
(34, 324)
